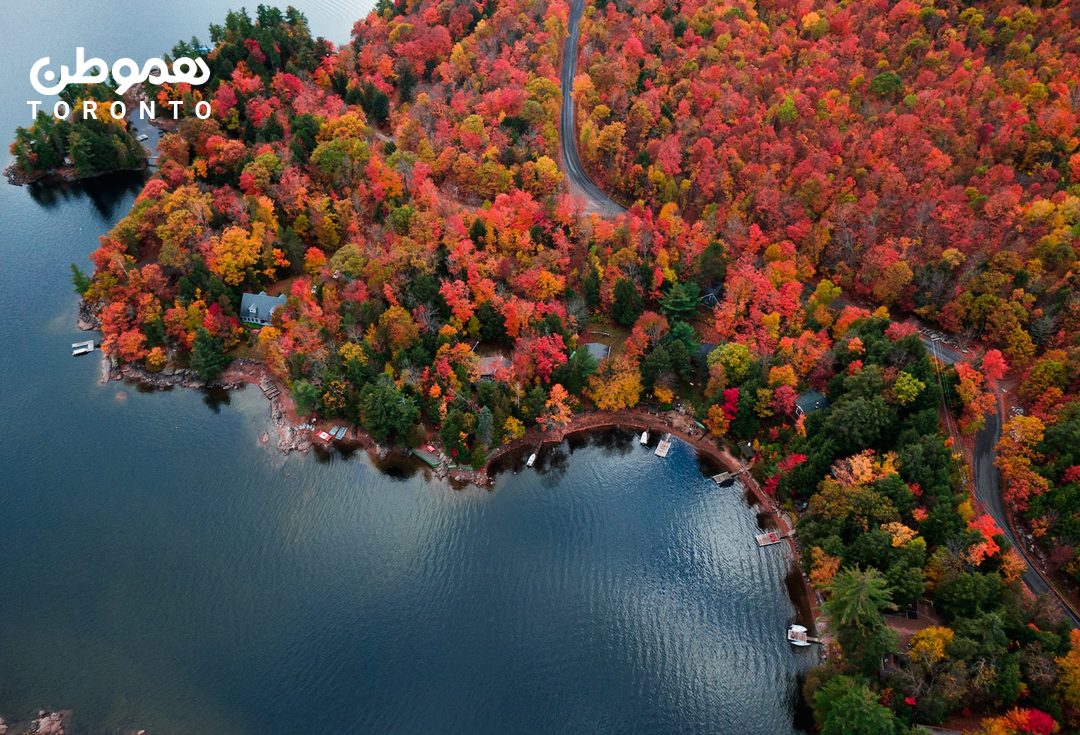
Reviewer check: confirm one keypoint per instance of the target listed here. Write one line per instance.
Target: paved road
(579, 181)
(988, 486)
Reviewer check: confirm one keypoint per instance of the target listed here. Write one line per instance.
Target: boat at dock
(645, 437)
(82, 348)
(797, 636)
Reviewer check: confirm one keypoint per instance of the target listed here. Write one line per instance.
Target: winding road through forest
(987, 477)
(579, 181)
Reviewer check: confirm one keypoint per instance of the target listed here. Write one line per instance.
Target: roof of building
(811, 400)
(491, 365)
(598, 350)
(259, 306)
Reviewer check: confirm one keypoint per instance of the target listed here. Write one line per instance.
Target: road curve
(579, 181)
(988, 489)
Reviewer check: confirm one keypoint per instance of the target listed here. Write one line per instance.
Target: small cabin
(809, 401)
(490, 367)
(258, 308)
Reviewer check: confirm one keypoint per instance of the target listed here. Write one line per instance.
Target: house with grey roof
(491, 366)
(598, 350)
(809, 401)
(258, 308)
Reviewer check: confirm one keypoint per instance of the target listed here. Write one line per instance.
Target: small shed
(490, 366)
(809, 401)
(258, 308)
(598, 350)
(746, 449)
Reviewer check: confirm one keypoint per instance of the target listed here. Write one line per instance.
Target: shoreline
(286, 423)
(642, 419)
(62, 175)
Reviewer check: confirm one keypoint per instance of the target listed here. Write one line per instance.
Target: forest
(88, 145)
(803, 180)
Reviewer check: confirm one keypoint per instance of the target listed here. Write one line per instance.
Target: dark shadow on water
(802, 717)
(553, 460)
(708, 465)
(750, 498)
(323, 454)
(796, 590)
(215, 398)
(615, 439)
(512, 461)
(766, 521)
(107, 193)
(551, 464)
(400, 468)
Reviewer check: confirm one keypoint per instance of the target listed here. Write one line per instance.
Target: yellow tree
(823, 567)
(397, 330)
(1069, 672)
(716, 421)
(232, 254)
(513, 429)
(557, 410)
(616, 384)
(929, 644)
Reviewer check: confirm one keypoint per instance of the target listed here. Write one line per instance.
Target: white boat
(532, 459)
(143, 137)
(796, 635)
(645, 437)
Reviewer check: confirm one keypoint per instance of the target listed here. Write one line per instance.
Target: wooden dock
(82, 348)
(770, 538)
(269, 390)
(664, 446)
(800, 637)
(724, 478)
(429, 457)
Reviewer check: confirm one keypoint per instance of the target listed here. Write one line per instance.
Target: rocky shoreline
(242, 372)
(46, 723)
(61, 174)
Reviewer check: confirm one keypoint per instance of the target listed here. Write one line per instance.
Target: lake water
(160, 569)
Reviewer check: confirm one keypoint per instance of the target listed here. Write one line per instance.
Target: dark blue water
(160, 569)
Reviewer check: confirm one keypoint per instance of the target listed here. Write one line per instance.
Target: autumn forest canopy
(803, 180)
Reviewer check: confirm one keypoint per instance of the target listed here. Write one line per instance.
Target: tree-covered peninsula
(76, 147)
(802, 180)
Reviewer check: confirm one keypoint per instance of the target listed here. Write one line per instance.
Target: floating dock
(770, 538)
(724, 478)
(269, 390)
(664, 446)
(82, 348)
(429, 457)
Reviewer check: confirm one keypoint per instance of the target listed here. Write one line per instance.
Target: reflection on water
(163, 569)
(110, 195)
(216, 398)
